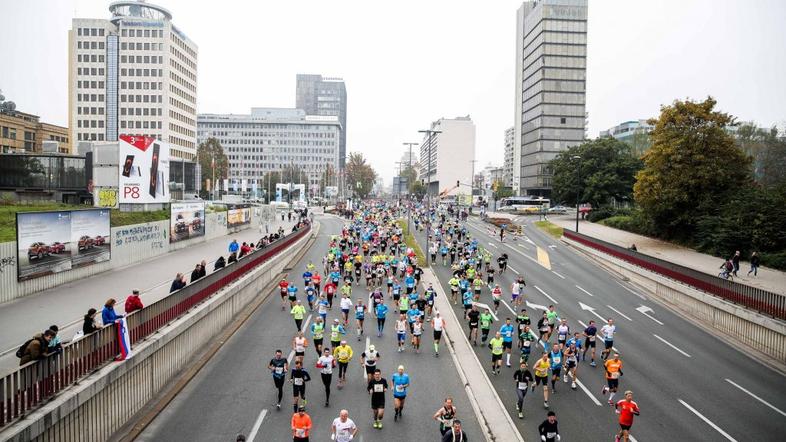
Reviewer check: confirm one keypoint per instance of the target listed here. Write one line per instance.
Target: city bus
(526, 204)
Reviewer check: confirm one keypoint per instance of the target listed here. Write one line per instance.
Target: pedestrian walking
(735, 261)
(754, 264)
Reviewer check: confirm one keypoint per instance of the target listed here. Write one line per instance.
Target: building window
(563, 120)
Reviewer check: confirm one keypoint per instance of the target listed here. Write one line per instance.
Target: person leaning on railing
(37, 347)
(89, 326)
(108, 314)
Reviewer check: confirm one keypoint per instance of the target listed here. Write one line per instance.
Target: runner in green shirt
(298, 312)
(403, 304)
(478, 285)
(497, 348)
(552, 316)
(454, 288)
(485, 324)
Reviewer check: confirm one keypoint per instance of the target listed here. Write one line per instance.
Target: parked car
(37, 250)
(99, 240)
(56, 247)
(181, 226)
(85, 242)
(558, 210)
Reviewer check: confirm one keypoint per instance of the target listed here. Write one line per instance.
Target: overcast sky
(409, 62)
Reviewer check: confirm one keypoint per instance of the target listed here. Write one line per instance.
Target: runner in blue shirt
(292, 293)
(322, 307)
(556, 359)
(335, 277)
(381, 312)
(507, 331)
(412, 315)
(307, 277)
(466, 298)
(396, 291)
(310, 294)
(400, 385)
(409, 281)
(443, 251)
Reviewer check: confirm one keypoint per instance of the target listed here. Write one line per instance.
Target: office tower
(447, 157)
(318, 95)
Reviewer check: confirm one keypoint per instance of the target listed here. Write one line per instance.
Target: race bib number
(300, 432)
(379, 388)
(522, 385)
(400, 388)
(279, 370)
(615, 375)
(298, 381)
(592, 338)
(527, 343)
(343, 355)
(557, 360)
(497, 348)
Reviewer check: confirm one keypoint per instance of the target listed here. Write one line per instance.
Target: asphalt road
(234, 391)
(689, 384)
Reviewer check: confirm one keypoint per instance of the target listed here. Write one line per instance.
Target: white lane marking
(586, 390)
(585, 291)
(619, 313)
(644, 310)
(630, 437)
(523, 254)
(493, 245)
(635, 293)
(591, 309)
(292, 353)
(546, 295)
(513, 270)
(557, 274)
(257, 424)
(709, 422)
(486, 306)
(670, 345)
(508, 306)
(523, 246)
(368, 342)
(756, 397)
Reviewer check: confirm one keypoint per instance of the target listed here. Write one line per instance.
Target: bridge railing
(762, 301)
(29, 386)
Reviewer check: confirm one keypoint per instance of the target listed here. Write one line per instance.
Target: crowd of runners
(369, 272)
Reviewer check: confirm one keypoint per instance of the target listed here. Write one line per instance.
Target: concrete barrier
(130, 245)
(746, 327)
(99, 405)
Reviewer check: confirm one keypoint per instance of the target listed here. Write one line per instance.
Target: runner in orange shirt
(613, 373)
(626, 408)
(301, 425)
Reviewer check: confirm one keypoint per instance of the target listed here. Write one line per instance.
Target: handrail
(762, 301)
(30, 385)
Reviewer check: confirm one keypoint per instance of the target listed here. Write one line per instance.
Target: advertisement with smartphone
(187, 220)
(144, 175)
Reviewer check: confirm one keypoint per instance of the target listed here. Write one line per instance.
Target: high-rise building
(447, 157)
(507, 163)
(551, 62)
(273, 139)
(318, 95)
(634, 132)
(135, 73)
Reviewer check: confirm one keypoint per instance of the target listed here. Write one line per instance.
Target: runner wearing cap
(369, 359)
(343, 354)
(336, 331)
(400, 385)
(301, 425)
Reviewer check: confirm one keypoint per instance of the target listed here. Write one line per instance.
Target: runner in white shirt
(346, 306)
(437, 324)
(607, 333)
(401, 332)
(344, 429)
(325, 364)
(299, 344)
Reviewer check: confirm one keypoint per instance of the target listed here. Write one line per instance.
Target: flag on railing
(124, 340)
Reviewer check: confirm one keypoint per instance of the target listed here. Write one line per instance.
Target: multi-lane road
(234, 393)
(689, 384)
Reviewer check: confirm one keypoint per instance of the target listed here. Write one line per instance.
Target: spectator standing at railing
(108, 315)
(196, 273)
(203, 270)
(178, 283)
(133, 302)
(244, 250)
(220, 263)
(55, 346)
(234, 246)
(89, 325)
(36, 348)
(232, 258)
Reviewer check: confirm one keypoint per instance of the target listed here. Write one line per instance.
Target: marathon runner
(369, 359)
(344, 429)
(590, 335)
(486, 319)
(613, 373)
(571, 359)
(445, 415)
(381, 312)
(282, 289)
(607, 333)
(360, 316)
(548, 429)
(497, 348)
(299, 376)
(278, 367)
(401, 332)
(507, 331)
(523, 379)
(318, 334)
(626, 408)
(526, 338)
(326, 363)
(377, 386)
(336, 332)
(298, 312)
(438, 325)
(299, 344)
(496, 297)
(541, 368)
(473, 321)
(400, 385)
(343, 354)
(556, 357)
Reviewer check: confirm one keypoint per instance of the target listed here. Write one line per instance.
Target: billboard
(144, 170)
(238, 215)
(186, 220)
(53, 242)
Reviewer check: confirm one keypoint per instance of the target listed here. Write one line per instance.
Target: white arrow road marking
(585, 291)
(491, 310)
(257, 424)
(644, 310)
(670, 345)
(536, 306)
(508, 306)
(586, 390)
(519, 244)
(552, 246)
(592, 310)
(546, 295)
(619, 313)
(756, 397)
(557, 274)
(493, 245)
(523, 254)
(709, 422)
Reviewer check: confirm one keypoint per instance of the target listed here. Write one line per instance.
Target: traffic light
(457, 183)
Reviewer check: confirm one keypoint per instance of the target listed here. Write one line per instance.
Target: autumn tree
(213, 162)
(360, 176)
(693, 165)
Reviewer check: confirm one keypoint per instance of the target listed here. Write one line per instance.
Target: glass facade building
(61, 178)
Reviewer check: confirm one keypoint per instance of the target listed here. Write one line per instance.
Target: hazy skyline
(408, 64)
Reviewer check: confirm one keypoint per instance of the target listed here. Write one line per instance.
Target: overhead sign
(144, 170)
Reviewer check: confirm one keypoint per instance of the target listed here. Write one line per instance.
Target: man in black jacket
(178, 283)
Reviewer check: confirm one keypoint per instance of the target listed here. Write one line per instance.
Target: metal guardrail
(762, 301)
(36, 382)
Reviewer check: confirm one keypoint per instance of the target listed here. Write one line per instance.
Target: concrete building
(448, 157)
(272, 139)
(318, 95)
(21, 132)
(634, 132)
(135, 73)
(507, 163)
(551, 56)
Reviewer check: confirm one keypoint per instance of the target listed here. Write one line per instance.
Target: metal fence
(768, 303)
(36, 382)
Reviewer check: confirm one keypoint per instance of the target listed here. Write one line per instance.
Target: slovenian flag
(124, 340)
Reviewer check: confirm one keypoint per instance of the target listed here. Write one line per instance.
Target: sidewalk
(66, 305)
(768, 279)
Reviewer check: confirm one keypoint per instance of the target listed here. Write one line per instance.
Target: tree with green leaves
(693, 165)
(411, 176)
(213, 163)
(767, 151)
(604, 173)
(360, 176)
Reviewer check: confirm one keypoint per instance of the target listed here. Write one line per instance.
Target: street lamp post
(578, 188)
(430, 133)
(409, 161)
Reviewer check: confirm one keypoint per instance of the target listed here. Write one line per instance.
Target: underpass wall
(737, 323)
(103, 402)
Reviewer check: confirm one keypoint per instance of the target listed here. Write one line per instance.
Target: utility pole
(472, 186)
(578, 189)
(430, 133)
(409, 160)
